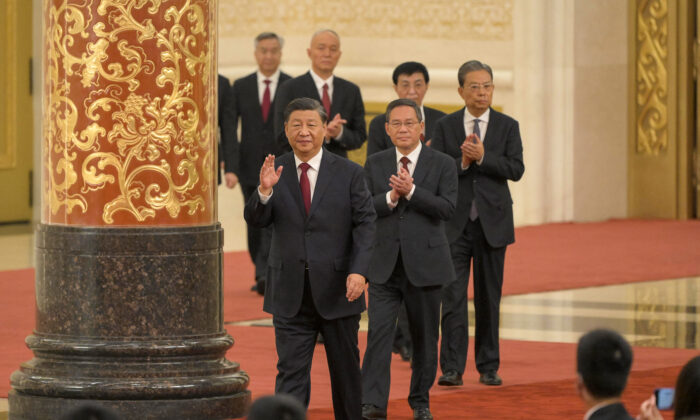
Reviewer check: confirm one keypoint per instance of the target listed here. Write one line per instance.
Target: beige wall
(600, 110)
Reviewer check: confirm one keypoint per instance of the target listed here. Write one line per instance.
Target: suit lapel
(310, 87)
(424, 162)
(492, 128)
(291, 181)
(322, 180)
(255, 95)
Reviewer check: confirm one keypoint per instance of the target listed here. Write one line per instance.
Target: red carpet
(548, 257)
(533, 388)
(572, 255)
(544, 258)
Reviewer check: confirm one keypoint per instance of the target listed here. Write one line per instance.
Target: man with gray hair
(486, 147)
(254, 97)
(340, 98)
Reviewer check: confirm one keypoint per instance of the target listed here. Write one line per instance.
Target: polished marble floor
(663, 313)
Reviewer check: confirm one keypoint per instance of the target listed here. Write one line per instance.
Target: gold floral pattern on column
(129, 112)
(652, 77)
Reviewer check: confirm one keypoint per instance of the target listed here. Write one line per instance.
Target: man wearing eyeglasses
(488, 152)
(411, 81)
(414, 191)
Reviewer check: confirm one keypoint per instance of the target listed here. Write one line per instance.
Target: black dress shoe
(490, 378)
(372, 412)
(402, 351)
(422, 414)
(450, 378)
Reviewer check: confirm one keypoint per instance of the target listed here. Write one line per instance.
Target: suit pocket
(437, 241)
(341, 264)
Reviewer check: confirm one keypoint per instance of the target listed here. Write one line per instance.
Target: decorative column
(129, 252)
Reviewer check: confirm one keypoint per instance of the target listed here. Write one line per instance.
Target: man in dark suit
(254, 97)
(603, 363)
(488, 152)
(341, 99)
(227, 129)
(323, 230)
(414, 190)
(411, 80)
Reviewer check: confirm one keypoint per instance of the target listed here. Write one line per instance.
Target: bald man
(340, 98)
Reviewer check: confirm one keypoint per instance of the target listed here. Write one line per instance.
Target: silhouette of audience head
(277, 407)
(89, 411)
(603, 363)
(687, 397)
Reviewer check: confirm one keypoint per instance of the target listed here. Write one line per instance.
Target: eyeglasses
(408, 124)
(475, 87)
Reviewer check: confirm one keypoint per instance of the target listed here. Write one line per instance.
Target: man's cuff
(410, 194)
(464, 168)
(391, 204)
(264, 198)
(340, 134)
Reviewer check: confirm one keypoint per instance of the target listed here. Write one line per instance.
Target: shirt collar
(468, 117)
(413, 156)
(275, 77)
(597, 407)
(319, 81)
(314, 162)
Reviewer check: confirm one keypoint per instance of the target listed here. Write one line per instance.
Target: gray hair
(268, 35)
(470, 66)
(320, 31)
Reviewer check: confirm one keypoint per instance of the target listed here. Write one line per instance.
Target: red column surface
(129, 112)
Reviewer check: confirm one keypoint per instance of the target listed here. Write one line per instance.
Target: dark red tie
(266, 100)
(326, 100)
(305, 186)
(404, 162)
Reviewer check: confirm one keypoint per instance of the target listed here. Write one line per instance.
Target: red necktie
(404, 162)
(326, 100)
(266, 100)
(305, 186)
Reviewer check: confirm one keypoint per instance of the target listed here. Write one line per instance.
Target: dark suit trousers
(259, 240)
(423, 310)
(295, 339)
(488, 283)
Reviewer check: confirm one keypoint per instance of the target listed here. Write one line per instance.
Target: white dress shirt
(311, 173)
(319, 82)
(413, 160)
(483, 126)
(274, 82)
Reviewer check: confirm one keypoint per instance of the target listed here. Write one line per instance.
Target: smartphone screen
(664, 398)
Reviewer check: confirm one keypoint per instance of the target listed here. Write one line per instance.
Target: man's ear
(581, 388)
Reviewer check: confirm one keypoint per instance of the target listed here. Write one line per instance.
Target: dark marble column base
(29, 407)
(130, 319)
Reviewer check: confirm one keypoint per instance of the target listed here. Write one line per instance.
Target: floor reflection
(653, 314)
(650, 314)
